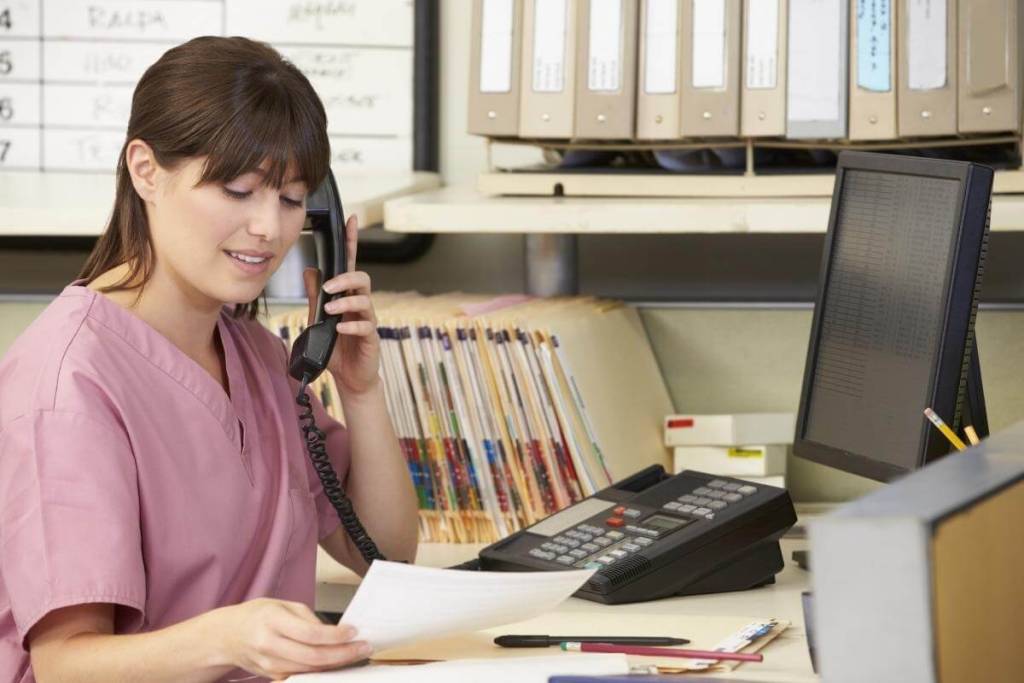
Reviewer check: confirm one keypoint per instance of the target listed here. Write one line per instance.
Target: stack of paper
(752, 446)
(510, 409)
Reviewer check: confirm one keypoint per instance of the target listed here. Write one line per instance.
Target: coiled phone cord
(314, 439)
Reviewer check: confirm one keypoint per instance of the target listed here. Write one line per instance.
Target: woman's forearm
(187, 651)
(378, 481)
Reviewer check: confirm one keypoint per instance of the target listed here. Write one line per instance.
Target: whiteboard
(68, 69)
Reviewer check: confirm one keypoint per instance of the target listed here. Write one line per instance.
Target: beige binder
(606, 69)
(548, 92)
(872, 78)
(989, 67)
(494, 68)
(710, 105)
(926, 78)
(657, 96)
(763, 94)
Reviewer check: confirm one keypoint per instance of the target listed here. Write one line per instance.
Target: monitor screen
(893, 309)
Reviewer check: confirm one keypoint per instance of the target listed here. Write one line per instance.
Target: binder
(710, 68)
(816, 69)
(989, 67)
(872, 70)
(494, 68)
(926, 101)
(606, 69)
(763, 94)
(657, 98)
(548, 93)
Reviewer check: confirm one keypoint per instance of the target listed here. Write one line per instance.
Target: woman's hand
(276, 638)
(355, 362)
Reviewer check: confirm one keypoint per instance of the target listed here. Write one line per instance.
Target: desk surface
(785, 659)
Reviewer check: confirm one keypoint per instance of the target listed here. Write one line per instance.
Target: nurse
(159, 517)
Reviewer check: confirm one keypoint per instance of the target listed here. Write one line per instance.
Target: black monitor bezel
(961, 282)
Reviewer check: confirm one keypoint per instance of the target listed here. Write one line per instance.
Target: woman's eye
(288, 201)
(235, 194)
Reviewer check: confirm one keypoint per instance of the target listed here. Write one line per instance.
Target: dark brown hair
(236, 102)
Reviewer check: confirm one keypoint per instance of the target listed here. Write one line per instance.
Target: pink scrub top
(129, 476)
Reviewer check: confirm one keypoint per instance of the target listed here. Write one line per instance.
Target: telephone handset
(313, 347)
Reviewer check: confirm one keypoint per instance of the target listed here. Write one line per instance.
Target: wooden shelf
(463, 209)
(78, 204)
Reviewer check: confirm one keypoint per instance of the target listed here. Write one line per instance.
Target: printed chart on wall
(68, 69)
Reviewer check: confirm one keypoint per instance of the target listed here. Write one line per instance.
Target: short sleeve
(69, 518)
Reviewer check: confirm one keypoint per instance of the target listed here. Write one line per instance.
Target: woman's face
(223, 241)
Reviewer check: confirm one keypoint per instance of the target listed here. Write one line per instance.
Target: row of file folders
(796, 69)
(508, 409)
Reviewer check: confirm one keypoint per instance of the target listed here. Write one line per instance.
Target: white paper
(660, 39)
(709, 44)
(138, 20)
(549, 45)
(762, 44)
(814, 42)
(604, 72)
(926, 54)
(520, 670)
(398, 603)
(496, 46)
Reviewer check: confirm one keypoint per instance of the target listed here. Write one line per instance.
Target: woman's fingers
(356, 282)
(351, 241)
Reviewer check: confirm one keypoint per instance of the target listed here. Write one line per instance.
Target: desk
(785, 659)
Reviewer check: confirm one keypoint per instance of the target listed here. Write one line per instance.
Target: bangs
(269, 127)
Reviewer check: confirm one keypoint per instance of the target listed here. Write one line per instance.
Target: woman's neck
(173, 308)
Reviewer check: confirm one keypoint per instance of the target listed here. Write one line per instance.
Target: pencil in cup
(944, 428)
(662, 652)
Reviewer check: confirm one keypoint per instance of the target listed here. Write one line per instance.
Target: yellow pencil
(944, 428)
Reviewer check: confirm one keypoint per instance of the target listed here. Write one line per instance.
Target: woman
(158, 513)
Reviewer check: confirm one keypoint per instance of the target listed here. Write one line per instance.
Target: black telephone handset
(313, 347)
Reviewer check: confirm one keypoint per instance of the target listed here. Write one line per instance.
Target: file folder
(548, 93)
(494, 68)
(710, 68)
(872, 70)
(926, 79)
(989, 66)
(816, 69)
(763, 95)
(657, 104)
(606, 69)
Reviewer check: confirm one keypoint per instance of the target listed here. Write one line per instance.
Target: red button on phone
(618, 512)
(614, 521)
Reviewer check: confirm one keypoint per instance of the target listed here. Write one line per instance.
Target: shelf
(78, 204)
(463, 209)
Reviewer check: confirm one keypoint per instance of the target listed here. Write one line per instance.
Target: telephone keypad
(542, 555)
(687, 508)
(579, 553)
(615, 535)
(732, 497)
(590, 547)
(688, 498)
(702, 490)
(603, 541)
(717, 504)
(631, 547)
(717, 484)
(642, 541)
(747, 490)
(565, 559)
(702, 511)
(672, 505)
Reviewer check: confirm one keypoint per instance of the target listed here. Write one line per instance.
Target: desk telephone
(649, 536)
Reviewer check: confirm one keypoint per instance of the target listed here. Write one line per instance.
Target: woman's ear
(143, 168)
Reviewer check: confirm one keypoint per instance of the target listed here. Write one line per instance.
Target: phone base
(753, 569)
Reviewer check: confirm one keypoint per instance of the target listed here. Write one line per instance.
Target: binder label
(661, 26)
(874, 49)
(549, 45)
(926, 53)
(496, 46)
(709, 44)
(815, 43)
(762, 44)
(605, 46)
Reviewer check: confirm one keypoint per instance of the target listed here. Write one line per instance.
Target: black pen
(548, 641)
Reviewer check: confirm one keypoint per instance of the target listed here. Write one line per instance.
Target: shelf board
(463, 209)
(59, 204)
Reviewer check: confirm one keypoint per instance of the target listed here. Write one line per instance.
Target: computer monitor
(893, 326)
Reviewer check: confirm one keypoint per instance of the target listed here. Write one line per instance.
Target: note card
(604, 72)
(762, 44)
(549, 45)
(399, 603)
(709, 44)
(661, 26)
(526, 670)
(874, 27)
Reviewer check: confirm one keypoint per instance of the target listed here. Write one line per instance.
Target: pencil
(944, 428)
(661, 652)
(972, 435)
